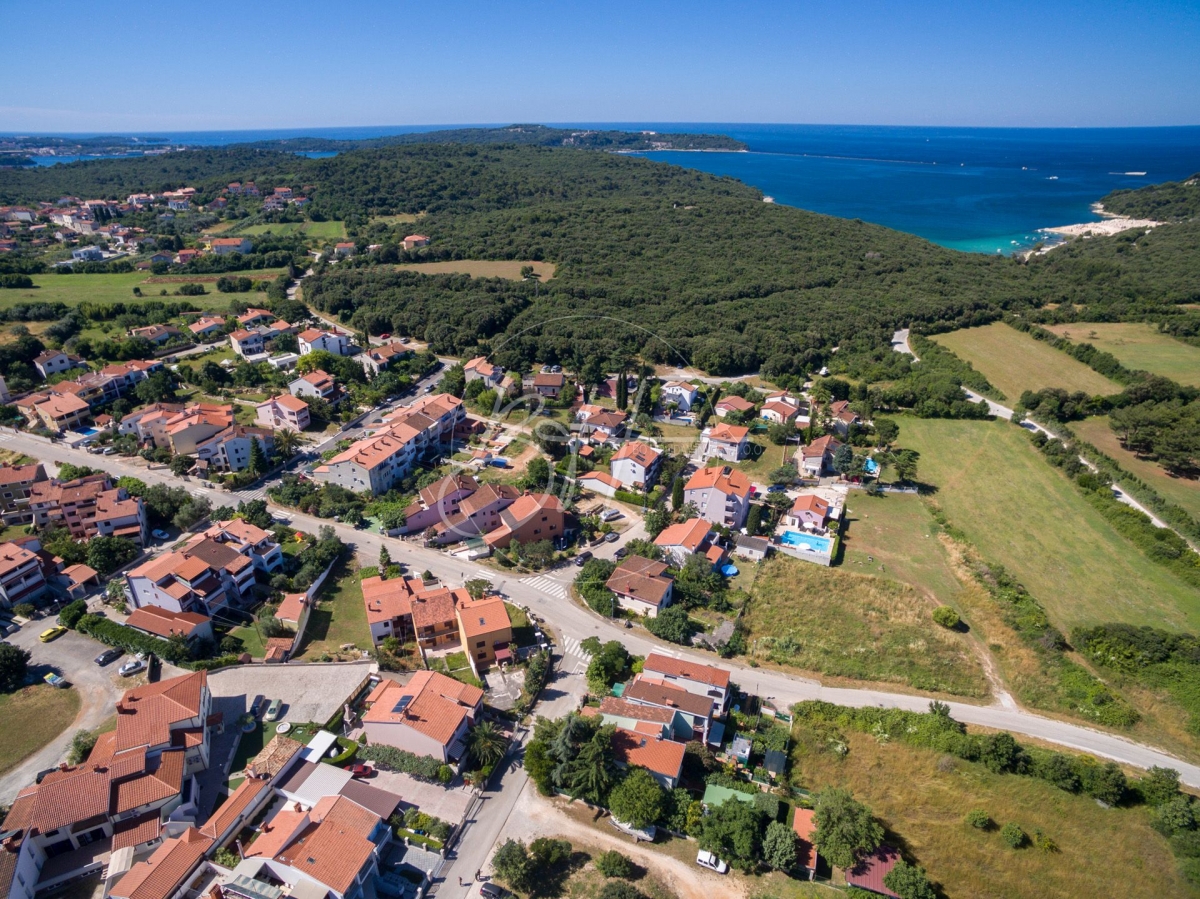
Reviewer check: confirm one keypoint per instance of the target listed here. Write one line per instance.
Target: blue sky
(135, 65)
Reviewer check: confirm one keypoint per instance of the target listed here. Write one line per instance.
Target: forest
(1171, 201)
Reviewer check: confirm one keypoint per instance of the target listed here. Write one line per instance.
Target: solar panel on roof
(401, 704)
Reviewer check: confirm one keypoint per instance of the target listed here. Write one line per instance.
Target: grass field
(762, 457)
(921, 802)
(340, 617)
(1139, 345)
(1027, 516)
(481, 268)
(315, 230)
(857, 626)
(402, 218)
(1183, 492)
(33, 716)
(74, 289)
(1015, 362)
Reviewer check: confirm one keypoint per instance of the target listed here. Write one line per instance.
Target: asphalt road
(546, 595)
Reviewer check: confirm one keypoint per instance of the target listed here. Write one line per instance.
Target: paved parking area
(309, 692)
(449, 804)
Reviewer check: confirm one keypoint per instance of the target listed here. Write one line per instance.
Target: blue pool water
(798, 538)
(88, 432)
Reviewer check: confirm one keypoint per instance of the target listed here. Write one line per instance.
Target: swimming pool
(806, 542)
(88, 432)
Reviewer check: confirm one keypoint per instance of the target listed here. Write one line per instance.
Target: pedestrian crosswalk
(249, 495)
(572, 647)
(6, 435)
(547, 585)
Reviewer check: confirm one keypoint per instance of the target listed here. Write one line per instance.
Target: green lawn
(73, 289)
(859, 626)
(762, 458)
(339, 618)
(252, 743)
(1139, 345)
(252, 641)
(33, 716)
(315, 230)
(1015, 362)
(1024, 514)
(1183, 492)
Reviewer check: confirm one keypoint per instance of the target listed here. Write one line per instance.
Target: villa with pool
(809, 529)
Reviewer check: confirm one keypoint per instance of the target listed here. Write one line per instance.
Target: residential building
(808, 511)
(485, 631)
(207, 326)
(229, 450)
(283, 413)
(599, 482)
(415, 240)
(531, 517)
(222, 246)
(205, 577)
(186, 255)
(253, 316)
(16, 482)
(816, 458)
(149, 423)
(641, 585)
(89, 507)
(754, 549)
(696, 535)
(389, 607)
(186, 430)
(157, 334)
(164, 623)
(724, 441)
(635, 465)
(430, 715)
(87, 254)
(654, 692)
(53, 362)
(480, 368)
(179, 204)
(662, 758)
(732, 403)
(598, 424)
(648, 719)
(698, 679)
(842, 416)
(21, 575)
(317, 384)
(438, 502)
(247, 539)
(547, 384)
(870, 870)
(54, 411)
(721, 493)
(378, 358)
(124, 375)
(681, 393)
(315, 339)
(433, 615)
(168, 871)
(805, 826)
(778, 412)
(246, 343)
(344, 248)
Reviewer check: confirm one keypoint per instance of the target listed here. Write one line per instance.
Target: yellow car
(52, 634)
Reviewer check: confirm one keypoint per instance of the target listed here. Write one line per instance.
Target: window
(481, 655)
(481, 644)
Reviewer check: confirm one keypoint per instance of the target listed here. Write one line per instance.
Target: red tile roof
(247, 793)
(689, 534)
(868, 874)
(805, 826)
(659, 756)
(705, 674)
(166, 870)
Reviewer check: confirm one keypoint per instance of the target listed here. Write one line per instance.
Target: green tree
(784, 474)
(385, 559)
(622, 390)
(512, 865)
(1013, 836)
(754, 519)
(904, 464)
(181, 465)
(589, 776)
(946, 617)
(637, 799)
(657, 521)
(733, 832)
(843, 459)
(677, 494)
(258, 460)
(886, 431)
(909, 882)
(671, 624)
(609, 665)
(81, 746)
(779, 846)
(613, 864)
(287, 443)
(1159, 785)
(539, 765)
(537, 474)
(107, 554)
(14, 665)
(846, 829)
(487, 744)
(779, 434)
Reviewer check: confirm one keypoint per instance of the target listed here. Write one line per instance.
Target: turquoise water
(820, 545)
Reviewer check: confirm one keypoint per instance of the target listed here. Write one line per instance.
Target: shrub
(1013, 836)
(1174, 815)
(389, 758)
(226, 858)
(71, 613)
(24, 610)
(81, 746)
(619, 889)
(114, 634)
(909, 882)
(613, 864)
(979, 819)
(1043, 843)
(349, 749)
(946, 617)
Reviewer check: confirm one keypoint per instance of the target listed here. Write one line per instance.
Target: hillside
(1170, 201)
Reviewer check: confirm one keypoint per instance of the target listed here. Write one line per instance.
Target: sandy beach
(1105, 228)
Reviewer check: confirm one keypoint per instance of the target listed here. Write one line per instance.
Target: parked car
(612, 537)
(160, 534)
(108, 657)
(610, 514)
(710, 861)
(492, 890)
(362, 771)
(52, 633)
(620, 553)
(273, 710)
(582, 558)
(55, 680)
(384, 336)
(132, 667)
(108, 451)
(777, 488)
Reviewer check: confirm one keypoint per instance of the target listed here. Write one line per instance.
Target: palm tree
(287, 442)
(487, 744)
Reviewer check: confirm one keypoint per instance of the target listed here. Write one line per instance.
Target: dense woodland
(1171, 201)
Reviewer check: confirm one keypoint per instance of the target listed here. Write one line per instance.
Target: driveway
(448, 803)
(312, 692)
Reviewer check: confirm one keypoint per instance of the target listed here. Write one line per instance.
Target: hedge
(113, 634)
(389, 758)
(349, 749)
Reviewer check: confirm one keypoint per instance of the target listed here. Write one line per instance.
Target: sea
(984, 190)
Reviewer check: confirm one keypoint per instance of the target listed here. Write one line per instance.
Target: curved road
(544, 596)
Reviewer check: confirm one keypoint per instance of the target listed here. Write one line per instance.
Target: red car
(384, 336)
(362, 771)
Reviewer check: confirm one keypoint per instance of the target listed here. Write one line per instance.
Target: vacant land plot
(1025, 515)
(74, 289)
(339, 619)
(762, 458)
(1015, 362)
(1184, 492)
(315, 230)
(922, 801)
(482, 268)
(1139, 345)
(32, 717)
(855, 625)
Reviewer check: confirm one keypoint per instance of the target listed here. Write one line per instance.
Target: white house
(314, 339)
(681, 393)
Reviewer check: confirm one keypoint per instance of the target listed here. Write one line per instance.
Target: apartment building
(229, 450)
(205, 577)
(21, 576)
(195, 424)
(635, 465)
(314, 339)
(16, 481)
(247, 539)
(721, 493)
(89, 507)
(283, 413)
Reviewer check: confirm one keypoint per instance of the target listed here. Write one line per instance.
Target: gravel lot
(433, 799)
(309, 692)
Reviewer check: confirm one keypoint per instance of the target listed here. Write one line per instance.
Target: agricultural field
(481, 268)
(857, 626)
(1139, 346)
(921, 798)
(75, 289)
(1183, 492)
(33, 716)
(1015, 362)
(401, 218)
(315, 230)
(1025, 515)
